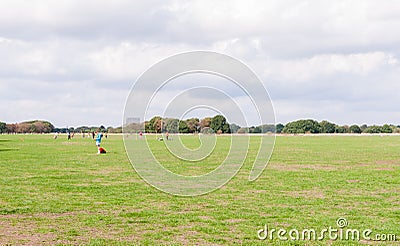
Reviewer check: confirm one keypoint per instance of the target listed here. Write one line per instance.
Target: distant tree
(386, 129)
(39, 127)
(395, 129)
(255, 129)
(363, 127)
(219, 122)
(193, 124)
(183, 127)
(23, 127)
(267, 128)
(11, 128)
(147, 127)
(206, 122)
(82, 129)
(355, 129)
(2, 127)
(48, 127)
(133, 127)
(279, 127)
(94, 128)
(373, 129)
(155, 124)
(342, 129)
(32, 128)
(234, 128)
(327, 127)
(114, 130)
(243, 130)
(207, 130)
(171, 125)
(302, 126)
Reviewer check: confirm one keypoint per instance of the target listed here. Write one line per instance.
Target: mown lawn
(62, 192)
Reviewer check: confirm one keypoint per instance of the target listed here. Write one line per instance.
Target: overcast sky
(74, 62)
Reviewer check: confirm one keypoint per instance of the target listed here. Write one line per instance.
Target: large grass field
(62, 192)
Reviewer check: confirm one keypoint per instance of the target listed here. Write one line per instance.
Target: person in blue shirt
(98, 140)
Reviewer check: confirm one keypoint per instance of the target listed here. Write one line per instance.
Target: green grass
(61, 192)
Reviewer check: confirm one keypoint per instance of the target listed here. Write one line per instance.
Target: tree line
(41, 126)
(36, 126)
(313, 126)
(157, 124)
(217, 124)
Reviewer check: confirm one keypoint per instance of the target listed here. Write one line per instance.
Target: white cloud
(321, 66)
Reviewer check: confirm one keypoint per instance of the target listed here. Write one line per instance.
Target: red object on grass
(102, 151)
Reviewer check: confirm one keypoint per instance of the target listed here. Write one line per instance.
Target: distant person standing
(98, 140)
(93, 135)
(69, 135)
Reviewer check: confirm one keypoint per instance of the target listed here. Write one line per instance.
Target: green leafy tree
(255, 129)
(386, 129)
(355, 129)
(234, 128)
(155, 124)
(363, 127)
(279, 128)
(193, 124)
(114, 130)
(267, 128)
(183, 127)
(82, 129)
(373, 129)
(327, 127)
(302, 126)
(2, 127)
(171, 125)
(342, 129)
(219, 124)
(32, 128)
(147, 127)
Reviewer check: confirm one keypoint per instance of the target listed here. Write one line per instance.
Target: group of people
(93, 134)
(99, 135)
